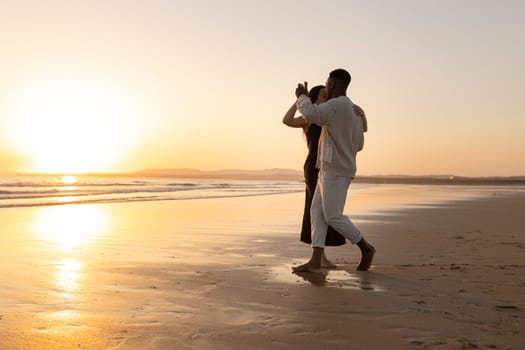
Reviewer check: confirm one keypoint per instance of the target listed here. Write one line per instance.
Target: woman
(317, 95)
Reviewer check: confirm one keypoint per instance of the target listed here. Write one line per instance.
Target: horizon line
(165, 171)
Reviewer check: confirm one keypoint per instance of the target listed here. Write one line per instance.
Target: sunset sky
(92, 86)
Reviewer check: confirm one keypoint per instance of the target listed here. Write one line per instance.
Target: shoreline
(87, 197)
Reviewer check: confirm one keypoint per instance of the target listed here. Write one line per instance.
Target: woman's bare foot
(367, 255)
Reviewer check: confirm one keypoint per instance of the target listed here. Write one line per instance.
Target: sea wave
(26, 191)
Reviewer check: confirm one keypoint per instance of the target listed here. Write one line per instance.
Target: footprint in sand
(237, 316)
(507, 307)
(513, 244)
(417, 343)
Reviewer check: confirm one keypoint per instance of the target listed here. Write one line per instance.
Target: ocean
(45, 190)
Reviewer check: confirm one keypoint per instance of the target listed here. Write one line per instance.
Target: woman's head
(318, 94)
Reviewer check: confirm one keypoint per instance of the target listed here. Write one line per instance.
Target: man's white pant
(327, 209)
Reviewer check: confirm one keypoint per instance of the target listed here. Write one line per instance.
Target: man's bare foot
(327, 264)
(307, 267)
(366, 258)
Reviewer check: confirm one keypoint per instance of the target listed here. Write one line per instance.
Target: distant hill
(296, 175)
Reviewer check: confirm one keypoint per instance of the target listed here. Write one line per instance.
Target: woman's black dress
(333, 238)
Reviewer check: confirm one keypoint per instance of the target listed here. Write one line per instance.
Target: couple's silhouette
(334, 129)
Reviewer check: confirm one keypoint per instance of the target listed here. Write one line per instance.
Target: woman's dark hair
(314, 92)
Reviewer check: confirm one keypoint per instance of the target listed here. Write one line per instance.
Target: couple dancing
(334, 129)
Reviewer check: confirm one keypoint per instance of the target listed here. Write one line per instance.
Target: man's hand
(301, 89)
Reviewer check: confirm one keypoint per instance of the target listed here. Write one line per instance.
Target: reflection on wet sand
(329, 278)
(68, 229)
(68, 273)
(341, 278)
(70, 226)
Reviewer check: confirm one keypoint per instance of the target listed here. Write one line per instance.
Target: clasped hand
(301, 89)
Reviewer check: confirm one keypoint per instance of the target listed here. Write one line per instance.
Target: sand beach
(216, 274)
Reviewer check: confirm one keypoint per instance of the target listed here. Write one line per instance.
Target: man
(341, 139)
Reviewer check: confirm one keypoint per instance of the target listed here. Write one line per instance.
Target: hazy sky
(205, 84)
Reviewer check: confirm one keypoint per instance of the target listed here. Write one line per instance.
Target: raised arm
(317, 114)
(360, 113)
(292, 122)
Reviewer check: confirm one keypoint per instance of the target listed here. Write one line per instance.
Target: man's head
(337, 83)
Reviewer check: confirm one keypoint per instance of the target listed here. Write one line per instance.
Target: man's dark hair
(341, 76)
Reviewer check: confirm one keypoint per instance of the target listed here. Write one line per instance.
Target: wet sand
(216, 274)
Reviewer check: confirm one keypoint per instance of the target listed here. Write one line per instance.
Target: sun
(72, 125)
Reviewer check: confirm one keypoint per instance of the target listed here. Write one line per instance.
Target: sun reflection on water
(67, 276)
(70, 226)
(69, 179)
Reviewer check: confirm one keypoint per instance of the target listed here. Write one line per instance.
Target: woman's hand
(360, 113)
